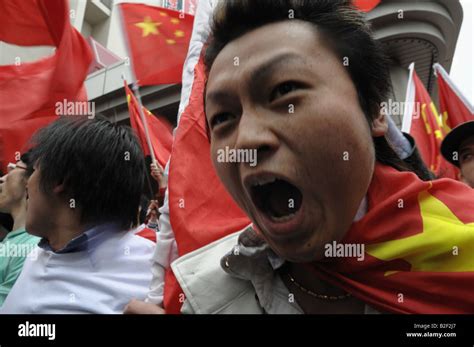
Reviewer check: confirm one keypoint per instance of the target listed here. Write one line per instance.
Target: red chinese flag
(160, 135)
(418, 240)
(158, 41)
(424, 124)
(201, 210)
(455, 108)
(31, 90)
(15, 136)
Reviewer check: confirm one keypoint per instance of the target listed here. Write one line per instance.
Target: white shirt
(98, 272)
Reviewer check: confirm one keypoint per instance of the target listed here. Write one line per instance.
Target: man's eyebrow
(266, 69)
(465, 149)
(261, 73)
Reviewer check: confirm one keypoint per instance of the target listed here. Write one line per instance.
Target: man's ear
(379, 125)
(58, 189)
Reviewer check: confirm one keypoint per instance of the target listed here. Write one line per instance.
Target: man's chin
(303, 252)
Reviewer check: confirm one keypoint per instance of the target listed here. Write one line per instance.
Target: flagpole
(152, 194)
(136, 89)
(408, 111)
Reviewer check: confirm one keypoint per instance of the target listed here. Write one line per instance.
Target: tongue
(282, 199)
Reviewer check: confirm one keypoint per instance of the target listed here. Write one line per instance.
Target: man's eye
(466, 157)
(284, 88)
(221, 118)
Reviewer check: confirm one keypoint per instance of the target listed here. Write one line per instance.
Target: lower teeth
(283, 218)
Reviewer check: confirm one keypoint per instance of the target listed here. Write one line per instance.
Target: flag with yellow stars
(161, 137)
(423, 122)
(158, 41)
(418, 242)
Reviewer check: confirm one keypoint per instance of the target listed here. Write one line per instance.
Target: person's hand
(140, 307)
(152, 212)
(158, 174)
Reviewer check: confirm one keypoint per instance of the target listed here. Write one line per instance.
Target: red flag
(455, 108)
(201, 210)
(418, 239)
(15, 135)
(31, 90)
(422, 121)
(158, 41)
(160, 135)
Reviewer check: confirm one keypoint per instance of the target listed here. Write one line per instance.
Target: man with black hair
(18, 243)
(340, 223)
(83, 199)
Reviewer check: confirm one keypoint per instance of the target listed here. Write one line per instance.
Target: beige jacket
(241, 281)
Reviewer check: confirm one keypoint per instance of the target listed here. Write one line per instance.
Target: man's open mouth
(277, 198)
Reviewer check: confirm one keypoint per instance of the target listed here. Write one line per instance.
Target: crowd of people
(100, 242)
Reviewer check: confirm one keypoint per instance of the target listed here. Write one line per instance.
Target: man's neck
(58, 238)
(19, 216)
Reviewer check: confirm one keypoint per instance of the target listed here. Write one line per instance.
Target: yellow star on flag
(445, 244)
(148, 26)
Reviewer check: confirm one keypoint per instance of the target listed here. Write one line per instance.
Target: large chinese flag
(418, 239)
(158, 41)
(201, 210)
(422, 121)
(455, 108)
(160, 134)
(29, 91)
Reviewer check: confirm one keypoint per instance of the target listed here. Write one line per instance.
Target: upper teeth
(264, 180)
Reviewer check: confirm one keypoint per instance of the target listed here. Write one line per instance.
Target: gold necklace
(316, 295)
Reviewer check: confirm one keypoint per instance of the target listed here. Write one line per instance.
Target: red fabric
(31, 90)
(424, 291)
(427, 130)
(366, 5)
(147, 233)
(452, 107)
(27, 19)
(156, 59)
(160, 135)
(208, 213)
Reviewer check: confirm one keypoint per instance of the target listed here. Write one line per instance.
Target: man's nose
(255, 133)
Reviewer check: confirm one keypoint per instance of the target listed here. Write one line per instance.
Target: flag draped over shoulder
(421, 120)
(455, 108)
(158, 41)
(160, 134)
(419, 246)
(29, 91)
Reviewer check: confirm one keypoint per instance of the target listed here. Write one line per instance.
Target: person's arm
(15, 266)
(166, 251)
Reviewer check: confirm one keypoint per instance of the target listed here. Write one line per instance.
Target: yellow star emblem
(445, 245)
(179, 33)
(148, 27)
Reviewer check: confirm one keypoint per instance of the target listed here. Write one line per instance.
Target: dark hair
(344, 30)
(26, 158)
(99, 163)
(6, 221)
(144, 203)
